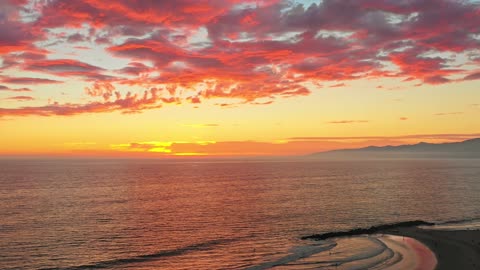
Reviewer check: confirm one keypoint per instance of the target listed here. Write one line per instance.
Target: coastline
(454, 249)
(457, 248)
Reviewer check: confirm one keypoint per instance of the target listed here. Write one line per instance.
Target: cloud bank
(244, 51)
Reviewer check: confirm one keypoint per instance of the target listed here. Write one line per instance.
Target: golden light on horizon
(84, 85)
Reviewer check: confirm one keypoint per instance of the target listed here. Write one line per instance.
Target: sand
(454, 249)
(456, 245)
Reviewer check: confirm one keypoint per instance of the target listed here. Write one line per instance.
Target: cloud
(246, 51)
(291, 146)
(77, 37)
(436, 80)
(130, 103)
(165, 13)
(262, 103)
(23, 89)
(64, 67)
(21, 98)
(338, 85)
(134, 69)
(16, 59)
(472, 76)
(348, 121)
(15, 36)
(222, 148)
(100, 89)
(430, 70)
(403, 118)
(445, 136)
(448, 113)
(27, 80)
(200, 125)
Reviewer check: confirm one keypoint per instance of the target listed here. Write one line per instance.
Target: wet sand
(454, 249)
(456, 245)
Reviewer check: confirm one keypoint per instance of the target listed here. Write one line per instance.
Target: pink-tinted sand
(426, 259)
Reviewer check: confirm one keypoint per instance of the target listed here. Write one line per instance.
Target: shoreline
(457, 248)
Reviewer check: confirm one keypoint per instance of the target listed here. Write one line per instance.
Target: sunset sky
(227, 78)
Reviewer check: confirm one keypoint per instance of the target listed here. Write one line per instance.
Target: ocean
(230, 214)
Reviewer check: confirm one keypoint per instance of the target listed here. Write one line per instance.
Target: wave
(389, 226)
(296, 254)
(465, 224)
(472, 219)
(147, 257)
(380, 254)
(371, 230)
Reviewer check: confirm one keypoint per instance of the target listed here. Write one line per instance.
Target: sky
(171, 78)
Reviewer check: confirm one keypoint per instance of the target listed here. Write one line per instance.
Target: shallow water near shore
(367, 252)
(468, 224)
(151, 214)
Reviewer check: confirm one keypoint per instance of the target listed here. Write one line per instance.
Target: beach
(422, 245)
(454, 249)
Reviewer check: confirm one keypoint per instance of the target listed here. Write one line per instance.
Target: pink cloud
(100, 89)
(27, 80)
(472, 76)
(134, 68)
(63, 67)
(23, 89)
(436, 80)
(21, 98)
(129, 103)
(248, 50)
(338, 85)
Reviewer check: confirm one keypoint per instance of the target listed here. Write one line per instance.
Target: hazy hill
(465, 149)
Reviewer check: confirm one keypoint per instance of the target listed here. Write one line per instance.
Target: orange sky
(235, 78)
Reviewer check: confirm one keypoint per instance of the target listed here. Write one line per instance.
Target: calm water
(143, 214)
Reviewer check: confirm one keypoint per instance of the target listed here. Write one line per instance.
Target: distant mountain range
(464, 149)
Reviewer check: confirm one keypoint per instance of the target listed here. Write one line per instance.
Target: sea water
(230, 214)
